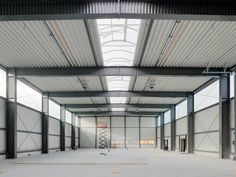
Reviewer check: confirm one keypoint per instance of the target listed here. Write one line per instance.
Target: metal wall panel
(68, 142)
(207, 130)
(87, 137)
(148, 122)
(147, 139)
(2, 113)
(53, 142)
(207, 120)
(167, 130)
(27, 142)
(232, 119)
(2, 126)
(132, 122)
(158, 132)
(181, 126)
(68, 129)
(132, 137)
(87, 122)
(54, 126)
(87, 132)
(117, 122)
(207, 142)
(29, 127)
(117, 137)
(54, 133)
(2, 142)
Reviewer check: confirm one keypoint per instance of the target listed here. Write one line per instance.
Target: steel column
(73, 117)
(11, 115)
(125, 130)
(139, 127)
(190, 123)
(110, 133)
(173, 128)
(62, 128)
(162, 127)
(96, 131)
(224, 115)
(45, 123)
(156, 120)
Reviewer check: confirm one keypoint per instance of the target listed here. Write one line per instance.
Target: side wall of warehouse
(29, 131)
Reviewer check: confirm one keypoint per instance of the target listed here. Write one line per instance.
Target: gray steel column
(173, 128)
(224, 115)
(96, 131)
(156, 120)
(234, 116)
(162, 126)
(11, 115)
(110, 133)
(73, 117)
(45, 123)
(62, 128)
(190, 123)
(139, 126)
(125, 130)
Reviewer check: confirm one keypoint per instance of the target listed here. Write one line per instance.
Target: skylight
(118, 38)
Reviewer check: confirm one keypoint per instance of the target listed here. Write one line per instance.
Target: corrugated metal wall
(232, 124)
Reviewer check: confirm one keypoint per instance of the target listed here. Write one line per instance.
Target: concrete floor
(118, 162)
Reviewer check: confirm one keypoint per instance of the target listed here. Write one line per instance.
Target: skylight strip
(118, 38)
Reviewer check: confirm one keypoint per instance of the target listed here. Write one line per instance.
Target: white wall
(232, 124)
(132, 132)
(148, 132)
(120, 131)
(54, 133)
(207, 130)
(181, 130)
(67, 135)
(29, 129)
(87, 132)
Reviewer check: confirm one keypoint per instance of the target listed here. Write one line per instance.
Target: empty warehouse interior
(117, 88)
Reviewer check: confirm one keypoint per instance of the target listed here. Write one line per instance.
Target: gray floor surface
(118, 162)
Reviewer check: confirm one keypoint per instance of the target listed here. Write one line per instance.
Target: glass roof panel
(117, 99)
(117, 109)
(118, 38)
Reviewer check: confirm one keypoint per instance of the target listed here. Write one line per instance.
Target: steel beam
(190, 123)
(45, 123)
(121, 105)
(117, 113)
(162, 131)
(144, 9)
(62, 127)
(173, 128)
(117, 71)
(11, 115)
(224, 115)
(118, 94)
